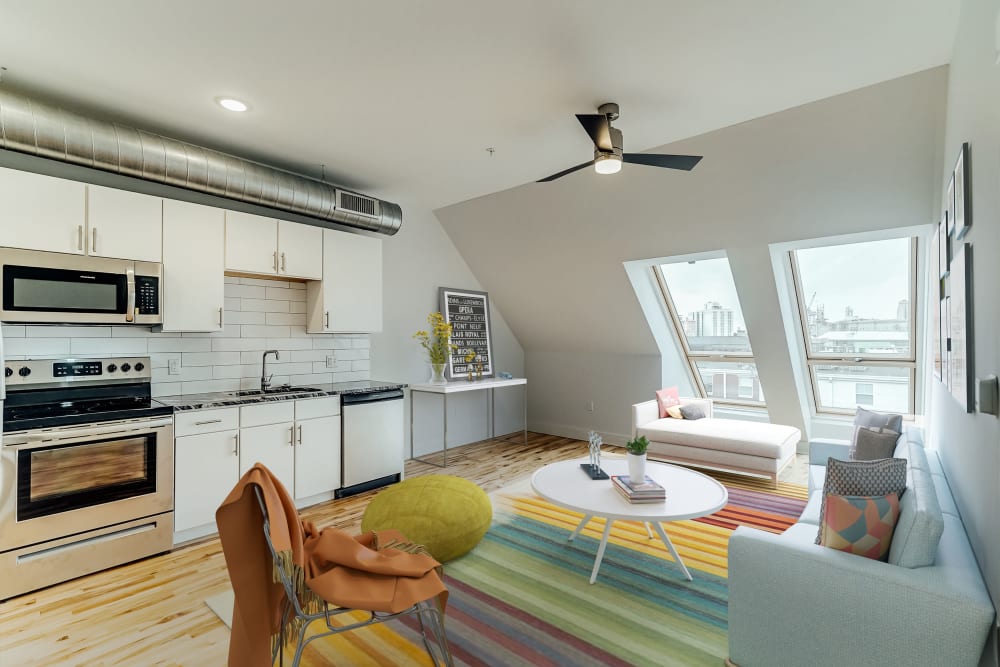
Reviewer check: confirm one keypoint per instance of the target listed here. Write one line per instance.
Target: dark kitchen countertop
(227, 398)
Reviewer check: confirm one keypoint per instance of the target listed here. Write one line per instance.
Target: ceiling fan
(608, 155)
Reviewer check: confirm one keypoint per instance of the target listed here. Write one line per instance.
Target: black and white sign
(468, 312)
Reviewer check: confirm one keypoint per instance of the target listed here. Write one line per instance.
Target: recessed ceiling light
(232, 104)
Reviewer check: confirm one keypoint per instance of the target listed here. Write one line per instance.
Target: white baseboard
(578, 433)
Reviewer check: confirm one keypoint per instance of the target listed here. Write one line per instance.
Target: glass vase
(437, 374)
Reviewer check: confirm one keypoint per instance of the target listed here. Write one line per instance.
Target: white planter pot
(636, 467)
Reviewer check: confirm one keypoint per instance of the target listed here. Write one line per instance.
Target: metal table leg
(583, 523)
(601, 548)
(525, 394)
(673, 551)
(444, 450)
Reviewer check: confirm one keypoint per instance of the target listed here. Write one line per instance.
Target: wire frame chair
(430, 619)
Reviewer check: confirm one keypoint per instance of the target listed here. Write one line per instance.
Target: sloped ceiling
(402, 98)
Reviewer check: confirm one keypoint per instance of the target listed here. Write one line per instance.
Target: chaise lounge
(732, 445)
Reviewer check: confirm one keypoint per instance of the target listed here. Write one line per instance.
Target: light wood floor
(152, 612)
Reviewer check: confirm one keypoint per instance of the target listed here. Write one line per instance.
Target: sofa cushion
(873, 443)
(666, 398)
(674, 412)
(727, 435)
(888, 420)
(863, 478)
(692, 412)
(860, 525)
(920, 523)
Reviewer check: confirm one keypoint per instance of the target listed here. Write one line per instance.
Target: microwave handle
(130, 295)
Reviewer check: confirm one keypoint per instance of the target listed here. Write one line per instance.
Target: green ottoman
(446, 514)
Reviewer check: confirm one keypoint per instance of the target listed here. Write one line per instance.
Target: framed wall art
(960, 363)
(468, 312)
(963, 193)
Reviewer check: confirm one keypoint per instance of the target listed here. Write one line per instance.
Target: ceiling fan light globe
(607, 164)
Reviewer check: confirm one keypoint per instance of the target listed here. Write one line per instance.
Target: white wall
(259, 315)
(552, 254)
(417, 261)
(969, 444)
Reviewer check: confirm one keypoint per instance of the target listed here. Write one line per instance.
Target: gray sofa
(794, 602)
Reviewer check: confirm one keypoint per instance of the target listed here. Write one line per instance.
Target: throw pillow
(692, 412)
(861, 525)
(666, 398)
(891, 421)
(862, 478)
(675, 412)
(873, 443)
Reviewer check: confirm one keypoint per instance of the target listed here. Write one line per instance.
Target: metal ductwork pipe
(30, 126)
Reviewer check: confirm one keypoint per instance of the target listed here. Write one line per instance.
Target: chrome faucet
(265, 379)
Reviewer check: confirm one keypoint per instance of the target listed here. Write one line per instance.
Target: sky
(870, 277)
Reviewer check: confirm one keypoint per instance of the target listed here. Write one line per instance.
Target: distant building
(713, 320)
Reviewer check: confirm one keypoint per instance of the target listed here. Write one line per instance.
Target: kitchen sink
(276, 391)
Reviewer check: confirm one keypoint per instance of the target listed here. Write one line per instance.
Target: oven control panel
(32, 373)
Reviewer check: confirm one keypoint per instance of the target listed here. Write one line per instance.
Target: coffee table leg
(649, 531)
(600, 550)
(670, 546)
(583, 523)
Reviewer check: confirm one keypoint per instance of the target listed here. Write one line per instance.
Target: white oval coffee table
(690, 495)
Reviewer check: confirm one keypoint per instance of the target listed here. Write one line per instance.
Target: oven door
(69, 480)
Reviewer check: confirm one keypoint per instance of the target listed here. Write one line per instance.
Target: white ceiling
(402, 98)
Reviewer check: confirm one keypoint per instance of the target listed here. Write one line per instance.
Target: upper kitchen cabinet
(193, 266)
(123, 224)
(266, 246)
(349, 298)
(42, 212)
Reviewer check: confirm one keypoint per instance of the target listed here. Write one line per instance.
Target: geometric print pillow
(860, 525)
(862, 478)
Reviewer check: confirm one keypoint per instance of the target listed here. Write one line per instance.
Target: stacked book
(646, 491)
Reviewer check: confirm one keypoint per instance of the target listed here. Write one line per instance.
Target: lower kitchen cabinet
(206, 468)
(274, 446)
(317, 457)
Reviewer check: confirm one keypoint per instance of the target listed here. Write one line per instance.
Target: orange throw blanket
(374, 571)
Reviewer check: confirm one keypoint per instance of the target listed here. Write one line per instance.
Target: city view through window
(707, 311)
(856, 304)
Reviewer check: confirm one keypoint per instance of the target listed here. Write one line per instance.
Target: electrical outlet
(330, 361)
(173, 366)
(590, 406)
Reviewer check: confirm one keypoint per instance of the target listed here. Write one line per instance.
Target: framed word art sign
(468, 313)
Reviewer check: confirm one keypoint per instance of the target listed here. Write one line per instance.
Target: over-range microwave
(70, 289)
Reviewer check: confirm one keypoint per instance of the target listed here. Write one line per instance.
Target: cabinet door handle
(274, 261)
(283, 261)
(220, 318)
(208, 421)
(327, 316)
(291, 436)
(93, 240)
(236, 437)
(300, 434)
(79, 238)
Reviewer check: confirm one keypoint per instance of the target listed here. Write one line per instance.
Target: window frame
(887, 360)
(692, 357)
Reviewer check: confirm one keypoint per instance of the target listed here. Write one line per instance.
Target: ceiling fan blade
(564, 172)
(685, 162)
(598, 127)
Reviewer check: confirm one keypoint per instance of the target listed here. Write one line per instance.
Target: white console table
(456, 386)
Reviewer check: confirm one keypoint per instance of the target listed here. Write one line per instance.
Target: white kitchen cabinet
(349, 298)
(193, 266)
(123, 224)
(317, 456)
(274, 446)
(270, 247)
(206, 468)
(300, 250)
(42, 212)
(251, 243)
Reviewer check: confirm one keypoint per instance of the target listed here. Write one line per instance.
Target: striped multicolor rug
(522, 597)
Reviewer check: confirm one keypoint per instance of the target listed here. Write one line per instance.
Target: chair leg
(300, 645)
(441, 637)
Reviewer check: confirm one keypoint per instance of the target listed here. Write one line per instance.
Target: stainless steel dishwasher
(373, 437)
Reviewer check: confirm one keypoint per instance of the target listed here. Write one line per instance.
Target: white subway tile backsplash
(260, 315)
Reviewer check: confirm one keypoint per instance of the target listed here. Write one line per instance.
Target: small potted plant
(636, 456)
(437, 342)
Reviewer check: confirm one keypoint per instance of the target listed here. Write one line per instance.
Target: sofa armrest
(643, 413)
(798, 603)
(820, 449)
(704, 403)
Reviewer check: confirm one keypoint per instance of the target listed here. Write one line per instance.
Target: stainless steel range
(86, 470)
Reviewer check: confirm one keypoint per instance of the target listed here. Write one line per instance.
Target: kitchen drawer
(195, 422)
(273, 412)
(311, 408)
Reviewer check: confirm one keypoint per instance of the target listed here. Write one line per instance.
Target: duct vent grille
(348, 201)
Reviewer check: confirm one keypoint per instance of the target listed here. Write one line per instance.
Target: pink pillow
(666, 398)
